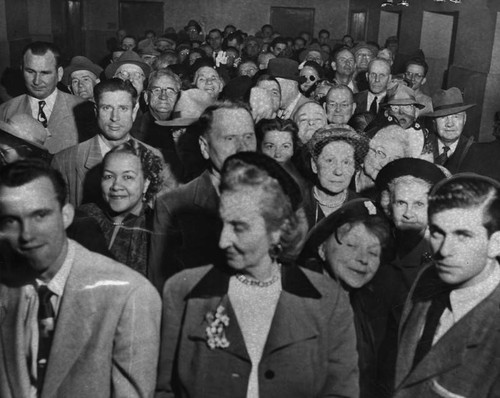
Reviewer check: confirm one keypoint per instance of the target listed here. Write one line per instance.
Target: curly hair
(151, 164)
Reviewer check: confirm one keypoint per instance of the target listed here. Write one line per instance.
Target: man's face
(404, 114)
(415, 73)
(215, 40)
(379, 154)
(82, 84)
(252, 48)
(232, 132)
(128, 43)
(162, 96)
(347, 41)
(450, 127)
(278, 49)
(363, 58)
(339, 106)
(267, 32)
(378, 76)
(309, 118)
(345, 63)
(134, 74)
(461, 245)
(315, 56)
(409, 206)
(207, 79)
(41, 74)
(299, 44)
(323, 38)
(33, 224)
(247, 69)
(115, 115)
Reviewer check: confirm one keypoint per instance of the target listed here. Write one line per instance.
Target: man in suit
(186, 223)
(67, 117)
(449, 117)
(73, 323)
(449, 342)
(379, 76)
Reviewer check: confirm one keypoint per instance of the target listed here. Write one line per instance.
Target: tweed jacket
(72, 120)
(186, 229)
(106, 336)
(310, 349)
(465, 362)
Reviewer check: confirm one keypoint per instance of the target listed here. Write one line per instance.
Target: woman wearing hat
(252, 327)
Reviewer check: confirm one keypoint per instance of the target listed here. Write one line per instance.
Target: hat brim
(449, 111)
(111, 68)
(96, 70)
(180, 122)
(8, 129)
(403, 102)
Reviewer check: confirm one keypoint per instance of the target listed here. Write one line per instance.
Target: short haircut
(164, 72)
(324, 31)
(214, 30)
(266, 125)
(24, 171)
(266, 26)
(207, 117)
(468, 191)
(278, 40)
(341, 87)
(130, 37)
(115, 84)
(418, 61)
(380, 60)
(41, 48)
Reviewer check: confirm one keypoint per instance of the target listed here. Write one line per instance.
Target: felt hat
(27, 129)
(284, 68)
(362, 45)
(402, 95)
(448, 102)
(77, 63)
(189, 107)
(128, 57)
(415, 167)
(172, 42)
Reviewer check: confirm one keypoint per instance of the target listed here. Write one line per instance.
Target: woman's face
(244, 236)
(379, 154)
(311, 77)
(274, 89)
(207, 79)
(335, 166)
(354, 260)
(123, 183)
(278, 145)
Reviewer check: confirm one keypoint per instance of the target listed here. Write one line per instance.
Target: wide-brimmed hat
(191, 104)
(415, 167)
(402, 95)
(27, 129)
(313, 47)
(128, 57)
(448, 102)
(172, 42)
(362, 45)
(284, 68)
(77, 63)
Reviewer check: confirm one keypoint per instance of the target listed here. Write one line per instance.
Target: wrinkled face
(379, 154)
(409, 206)
(232, 132)
(128, 43)
(115, 115)
(378, 76)
(134, 74)
(355, 257)
(274, 89)
(310, 118)
(450, 127)
(215, 40)
(207, 79)
(339, 106)
(41, 74)
(315, 56)
(278, 145)
(335, 166)
(461, 245)
(33, 224)
(345, 63)
(363, 58)
(311, 77)
(404, 114)
(244, 237)
(247, 69)
(416, 74)
(82, 84)
(278, 49)
(123, 183)
(162, 96)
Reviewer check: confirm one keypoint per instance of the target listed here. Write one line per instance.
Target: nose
(377, 78)
(446, 247)
(449, 121)
(225, 240)
(362, 256)
(163, 94)
(115, 115)
(36, 79)
(408, 213)
(337, 170)
(26, 232)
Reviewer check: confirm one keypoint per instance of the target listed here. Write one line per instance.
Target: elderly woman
(207, 79)
(336, 153)
(252, 327)
(354, 246)
(130, 179)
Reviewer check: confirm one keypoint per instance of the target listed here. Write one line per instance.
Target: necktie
(45, 331)
(374, 107)
(42, 117)
(441, 159)
(436, 309)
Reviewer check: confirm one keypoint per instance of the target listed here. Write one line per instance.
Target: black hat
(284, 68)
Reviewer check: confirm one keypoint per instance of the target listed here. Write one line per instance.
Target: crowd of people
(217, 214)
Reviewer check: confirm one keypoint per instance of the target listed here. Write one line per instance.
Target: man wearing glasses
(416, 71)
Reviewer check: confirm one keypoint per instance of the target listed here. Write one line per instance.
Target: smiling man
(449, 341)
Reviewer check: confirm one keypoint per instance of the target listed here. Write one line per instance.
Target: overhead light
(456, 1)
(388, 3)
(404, 3)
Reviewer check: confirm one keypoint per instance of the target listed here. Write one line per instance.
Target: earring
(275, 250)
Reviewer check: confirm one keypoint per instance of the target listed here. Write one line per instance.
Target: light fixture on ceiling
(388, 3)
(404, 3)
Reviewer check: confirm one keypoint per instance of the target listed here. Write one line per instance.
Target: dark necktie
(436, 309)
(441, 159)
(373, 106)
(42, 117)
(45, 332)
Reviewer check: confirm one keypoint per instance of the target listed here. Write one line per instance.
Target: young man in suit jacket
(449, 341)
(73, 323)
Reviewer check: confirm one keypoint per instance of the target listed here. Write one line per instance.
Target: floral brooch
(217, 323)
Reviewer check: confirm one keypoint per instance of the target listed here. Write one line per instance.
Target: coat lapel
(92, 156)
(205, 195)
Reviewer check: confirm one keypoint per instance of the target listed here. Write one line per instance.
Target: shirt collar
(58, 282)
(49, 102)
(452, 146)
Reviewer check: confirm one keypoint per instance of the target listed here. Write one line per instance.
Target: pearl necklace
(333, 203)
(253, 282)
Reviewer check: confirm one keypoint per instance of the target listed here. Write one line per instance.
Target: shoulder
(183, 282)
(70, 99)
(71, 151)
(184, 193)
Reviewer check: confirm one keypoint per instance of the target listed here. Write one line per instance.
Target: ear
(367, 78)
(68, 213)
(313, 166)
(135, 110)
(494, 245)
(97, 81)
(146, 96)
(465, 117)
(202, 141)
(334, 65)
(424, 80)
(321, 252)
(354, 105)
(60, 73)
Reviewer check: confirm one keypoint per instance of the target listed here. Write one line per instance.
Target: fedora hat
(77, 63)
(448, 102)
(402, 95)
(284, 68)
(191, 104)
(27, 129)
(128, 57)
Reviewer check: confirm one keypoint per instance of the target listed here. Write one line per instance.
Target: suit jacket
(106, 337)
(464, 362)
(454, 162)
(72, 120)
(483, 158)
(310, 349)
(361, 100)
(186, 229)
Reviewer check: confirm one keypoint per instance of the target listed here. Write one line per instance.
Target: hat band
(443, 107)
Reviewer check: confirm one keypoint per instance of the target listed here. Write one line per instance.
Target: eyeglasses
(407, 108)
(310, 77)
(170, 92)
(336, 105)
(124, 75)
(411, 76)
(378, 153)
